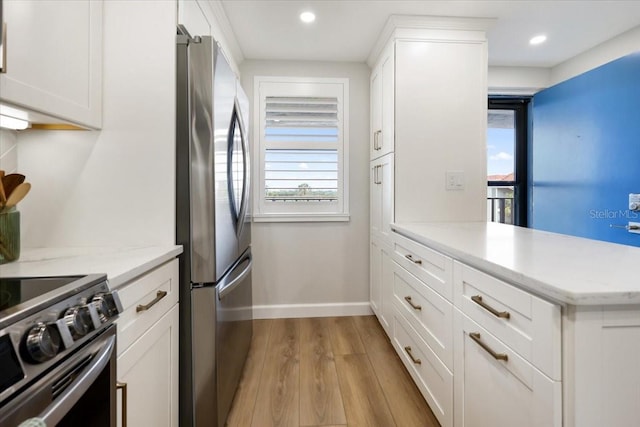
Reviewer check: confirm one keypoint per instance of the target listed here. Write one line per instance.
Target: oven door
(78, 391)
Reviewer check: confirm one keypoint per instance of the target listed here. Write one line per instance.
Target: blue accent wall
(585, 153)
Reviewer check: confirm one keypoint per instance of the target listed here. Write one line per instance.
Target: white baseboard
(311, 310)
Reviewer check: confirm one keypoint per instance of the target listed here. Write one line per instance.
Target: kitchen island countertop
(566, 269)
(120, 264)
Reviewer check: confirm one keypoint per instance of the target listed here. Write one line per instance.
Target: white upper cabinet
(193, 17)
(381, 196)
(382, 105)
(53, 59)
(376, 111)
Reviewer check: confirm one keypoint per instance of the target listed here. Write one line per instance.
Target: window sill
(282, 217)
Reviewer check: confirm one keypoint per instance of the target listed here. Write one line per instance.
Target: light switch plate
(454, 180)
(634, 202)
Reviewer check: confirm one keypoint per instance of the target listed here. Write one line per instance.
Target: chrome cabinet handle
(123, 387)
(413, 359)
(498, 356)
(414, 306)
(502, 314)
(159, 296)
(379, 133)
(376, 174)
(375, 141)
(410, 258)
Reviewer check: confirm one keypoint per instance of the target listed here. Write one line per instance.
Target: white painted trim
(311, 310)
(305, 213)
(425, 23)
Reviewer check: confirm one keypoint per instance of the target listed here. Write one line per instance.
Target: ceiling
(346, 30)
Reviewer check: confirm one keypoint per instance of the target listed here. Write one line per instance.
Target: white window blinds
(302, 148)
(301, 156)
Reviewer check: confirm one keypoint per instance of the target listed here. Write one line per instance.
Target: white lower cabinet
(429, 314)
(147, 363)
(381, 282)
(496, 387)
(601, 348)
(150, 371)
(481, 351)
(432, 377)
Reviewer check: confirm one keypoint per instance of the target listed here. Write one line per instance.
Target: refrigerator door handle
(224, 287)
(238, 125)
(246, 170)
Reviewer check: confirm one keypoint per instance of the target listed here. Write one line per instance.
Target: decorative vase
(9, 235)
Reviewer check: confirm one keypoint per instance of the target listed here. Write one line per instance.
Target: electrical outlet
(634, 202)
(454, 180)
(634, 227)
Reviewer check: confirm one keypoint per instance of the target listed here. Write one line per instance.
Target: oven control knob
(107, 304)
(42, 342)
(78, 320)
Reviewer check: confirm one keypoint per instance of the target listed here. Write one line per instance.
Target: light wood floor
(336, 371)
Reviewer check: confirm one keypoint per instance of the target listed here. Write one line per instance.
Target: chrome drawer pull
(159, 296)
(502, 314)
(410, 258)
(415, 307)
(498, 356)
(416, 361)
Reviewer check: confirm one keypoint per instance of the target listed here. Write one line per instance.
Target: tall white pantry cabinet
(428, 122)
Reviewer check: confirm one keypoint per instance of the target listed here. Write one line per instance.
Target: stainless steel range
(58, 351)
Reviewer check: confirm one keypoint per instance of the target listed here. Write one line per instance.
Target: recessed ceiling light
(538, 39)
(307, 17)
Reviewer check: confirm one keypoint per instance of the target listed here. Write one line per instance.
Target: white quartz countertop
(119, 264)
(562, 268)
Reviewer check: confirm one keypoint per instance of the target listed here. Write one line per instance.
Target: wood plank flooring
(328, 371)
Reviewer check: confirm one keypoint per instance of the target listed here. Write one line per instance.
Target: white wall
(317, 263)
(529, 80)
(113, 187)
(617, 47)
(8, 151)
(517, 80)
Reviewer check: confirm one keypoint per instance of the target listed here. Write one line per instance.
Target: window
(301, 149)
(507, 160)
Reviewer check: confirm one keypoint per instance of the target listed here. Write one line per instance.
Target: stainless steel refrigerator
(213, 223)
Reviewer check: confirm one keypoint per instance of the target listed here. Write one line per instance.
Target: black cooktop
(19, 290)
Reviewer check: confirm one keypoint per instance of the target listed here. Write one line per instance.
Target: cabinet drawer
(428, 313)
(432, 377)
(432, 267)
(492, 391)
(145, 300)
(529, 325)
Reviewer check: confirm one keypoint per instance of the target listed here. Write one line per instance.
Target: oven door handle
(54, 413)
